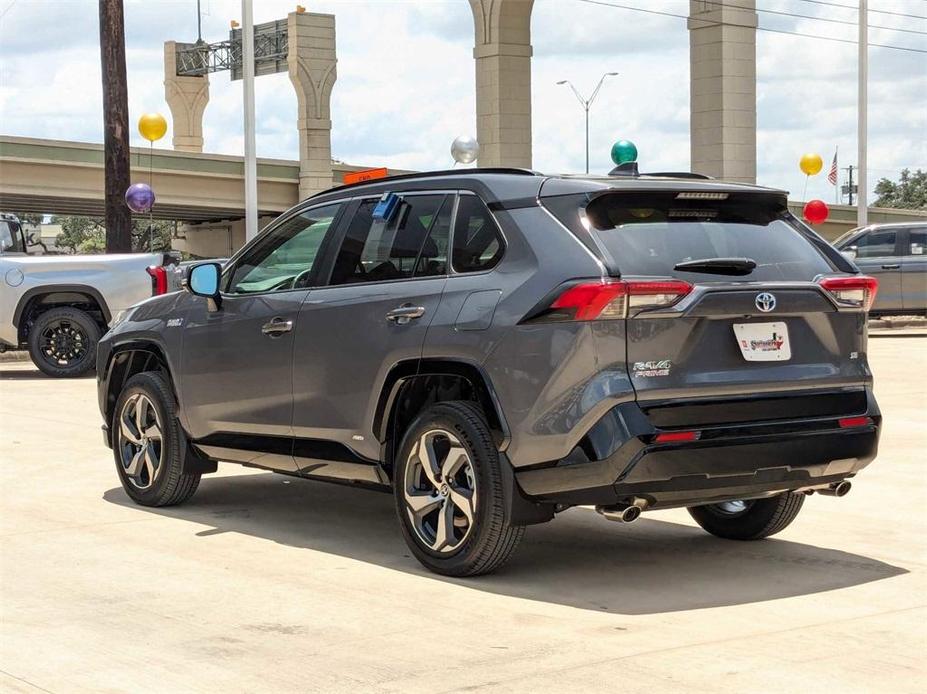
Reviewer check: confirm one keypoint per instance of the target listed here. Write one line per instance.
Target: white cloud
(405, 82)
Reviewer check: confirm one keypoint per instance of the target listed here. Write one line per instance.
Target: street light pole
(586, 103)
(862, 199)
(247, 41)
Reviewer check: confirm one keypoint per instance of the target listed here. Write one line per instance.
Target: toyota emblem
(766, 302)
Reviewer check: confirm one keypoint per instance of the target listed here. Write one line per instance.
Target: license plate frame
(763, 341)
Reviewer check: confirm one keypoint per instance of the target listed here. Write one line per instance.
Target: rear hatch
(728, 299)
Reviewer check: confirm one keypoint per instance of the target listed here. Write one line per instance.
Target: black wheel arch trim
(151, 346)
(31, 294)
(405, 371)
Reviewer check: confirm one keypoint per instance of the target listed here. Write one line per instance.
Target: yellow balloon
(811, 164)
(152, 126)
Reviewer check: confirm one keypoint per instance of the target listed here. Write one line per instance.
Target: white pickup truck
(58, 306)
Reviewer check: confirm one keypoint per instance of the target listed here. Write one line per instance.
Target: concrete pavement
(264, 583)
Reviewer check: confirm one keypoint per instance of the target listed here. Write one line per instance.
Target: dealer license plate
(763, 341)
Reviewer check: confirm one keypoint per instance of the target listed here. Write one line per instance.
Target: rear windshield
(651, 233)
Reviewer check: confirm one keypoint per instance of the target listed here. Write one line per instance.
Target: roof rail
(677, 174)
(429, 174)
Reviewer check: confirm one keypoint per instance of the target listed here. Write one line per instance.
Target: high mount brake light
(611, 299)
(158, 279)
(858, 291)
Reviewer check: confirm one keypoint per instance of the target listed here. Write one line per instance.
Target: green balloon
(623, 151)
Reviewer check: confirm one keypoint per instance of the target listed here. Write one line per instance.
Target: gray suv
(494, 346)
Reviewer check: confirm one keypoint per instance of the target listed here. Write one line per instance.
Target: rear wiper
(719, 266)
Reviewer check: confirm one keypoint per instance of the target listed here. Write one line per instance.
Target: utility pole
(862, 202)
(849, 171)
(247, 39)
(115, 127)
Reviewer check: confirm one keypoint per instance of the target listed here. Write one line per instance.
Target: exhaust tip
(628, 514)
(837, 489)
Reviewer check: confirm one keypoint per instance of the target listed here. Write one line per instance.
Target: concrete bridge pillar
(722, 61)
(502, 52)
(187, 98)
(312, 61)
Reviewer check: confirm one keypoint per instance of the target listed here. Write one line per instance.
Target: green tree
(88, 234)
(909, 193)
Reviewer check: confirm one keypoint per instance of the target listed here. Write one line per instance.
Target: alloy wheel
(731, 508)
(141, 445)
(440, 491)
(63, 342)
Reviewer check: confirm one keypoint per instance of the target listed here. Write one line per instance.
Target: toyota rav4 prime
(495, 346)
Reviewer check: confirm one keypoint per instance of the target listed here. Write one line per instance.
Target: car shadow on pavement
(579, 560)
(33, 374)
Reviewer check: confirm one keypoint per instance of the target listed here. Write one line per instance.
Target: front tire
(148, 444)
(449, 494)
(751, 519)
(63, 342)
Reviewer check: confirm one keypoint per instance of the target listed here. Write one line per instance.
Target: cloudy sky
(406, 81)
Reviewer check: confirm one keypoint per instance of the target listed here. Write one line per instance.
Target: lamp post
(586, 103)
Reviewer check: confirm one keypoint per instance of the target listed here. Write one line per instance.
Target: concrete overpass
(206, 191)
(66, 178)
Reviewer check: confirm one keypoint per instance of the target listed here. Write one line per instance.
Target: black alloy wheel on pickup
(63, 342)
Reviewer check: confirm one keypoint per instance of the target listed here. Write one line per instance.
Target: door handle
(404, 314)
(891, 267)
(277, 327)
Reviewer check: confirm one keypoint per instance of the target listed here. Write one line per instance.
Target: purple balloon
(140, 197)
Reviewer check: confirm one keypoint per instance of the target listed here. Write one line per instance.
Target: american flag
(832, 174)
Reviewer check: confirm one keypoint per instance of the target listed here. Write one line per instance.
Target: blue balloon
(140, 197)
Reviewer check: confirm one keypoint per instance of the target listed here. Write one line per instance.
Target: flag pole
(837, 184)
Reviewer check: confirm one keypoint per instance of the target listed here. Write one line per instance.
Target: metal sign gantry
(270, 50)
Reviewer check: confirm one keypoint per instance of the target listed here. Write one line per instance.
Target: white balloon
(465, 149)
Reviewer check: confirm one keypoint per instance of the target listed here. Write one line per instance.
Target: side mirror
(203, 280)
(849, 252)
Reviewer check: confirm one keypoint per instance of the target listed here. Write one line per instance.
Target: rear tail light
(858, 291)
(610, 299)
(850, 422)
(676, 436)
(158, 279)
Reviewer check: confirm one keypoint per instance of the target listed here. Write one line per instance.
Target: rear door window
(478, 244)
(876, 244)
(413, 243)
(918, 242)
(650, 233)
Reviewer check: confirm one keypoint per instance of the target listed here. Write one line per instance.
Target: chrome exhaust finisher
(625, 514)
(837, 489)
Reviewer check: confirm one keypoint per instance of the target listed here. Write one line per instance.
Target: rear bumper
(732, 461)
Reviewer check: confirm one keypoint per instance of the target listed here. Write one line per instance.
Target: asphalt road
(263, 583)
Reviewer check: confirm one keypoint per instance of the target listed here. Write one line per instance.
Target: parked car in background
(495, 346)
(12, 239)
(58, 306)
(896, 254)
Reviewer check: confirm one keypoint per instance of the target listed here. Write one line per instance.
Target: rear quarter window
(650, 233)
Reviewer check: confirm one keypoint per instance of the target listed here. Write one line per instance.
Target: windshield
(651, 233)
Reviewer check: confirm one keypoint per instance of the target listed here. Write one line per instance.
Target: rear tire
(453, 514)
(757, 519)
(63, 342)
(148, 444)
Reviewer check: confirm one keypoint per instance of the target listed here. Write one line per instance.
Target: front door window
(285, 258)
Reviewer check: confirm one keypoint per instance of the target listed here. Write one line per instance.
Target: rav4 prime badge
(646, 369)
